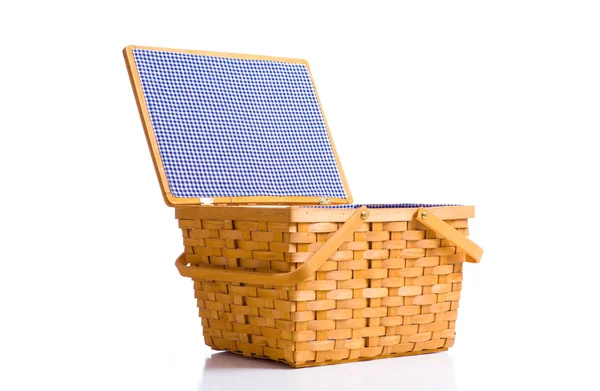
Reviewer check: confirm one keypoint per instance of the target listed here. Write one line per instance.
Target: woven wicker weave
(392, 289)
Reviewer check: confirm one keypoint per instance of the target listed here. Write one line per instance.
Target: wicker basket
(302, 283)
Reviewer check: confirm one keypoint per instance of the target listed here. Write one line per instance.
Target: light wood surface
(337, 157)
(140, 100)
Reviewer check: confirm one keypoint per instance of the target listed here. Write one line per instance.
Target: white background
(495, 104)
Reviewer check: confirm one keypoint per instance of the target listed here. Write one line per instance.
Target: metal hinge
(324, 201)
(206, 201)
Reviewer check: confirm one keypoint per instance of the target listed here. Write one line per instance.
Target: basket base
(308, 365)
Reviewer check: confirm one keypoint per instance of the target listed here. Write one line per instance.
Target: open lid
(235, 129)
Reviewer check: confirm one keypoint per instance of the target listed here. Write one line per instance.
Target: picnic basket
(284, 266)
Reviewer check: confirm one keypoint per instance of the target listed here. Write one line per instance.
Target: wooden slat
(270, 214)
(312, 215)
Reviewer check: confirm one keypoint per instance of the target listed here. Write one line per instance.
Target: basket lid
(235, 129)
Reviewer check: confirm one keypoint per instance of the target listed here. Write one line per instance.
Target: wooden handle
(343, 234)
(428, 219)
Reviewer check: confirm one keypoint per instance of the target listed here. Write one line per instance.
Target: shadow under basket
(314, 286)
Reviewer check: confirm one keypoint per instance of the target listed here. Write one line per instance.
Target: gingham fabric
(228, 127)
(377, 206)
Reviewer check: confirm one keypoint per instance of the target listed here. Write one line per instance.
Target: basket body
(393, 289)
(306, 285)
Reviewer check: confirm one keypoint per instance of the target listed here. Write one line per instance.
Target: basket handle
(302, 273)
(473, 252)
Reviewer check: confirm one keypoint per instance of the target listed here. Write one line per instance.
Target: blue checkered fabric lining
(230, 127)
(377, 206)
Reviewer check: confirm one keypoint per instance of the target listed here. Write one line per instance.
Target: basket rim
(308, 213)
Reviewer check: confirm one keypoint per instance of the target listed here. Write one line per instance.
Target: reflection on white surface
(227, 371)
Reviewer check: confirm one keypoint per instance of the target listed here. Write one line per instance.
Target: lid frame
(171, 200)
